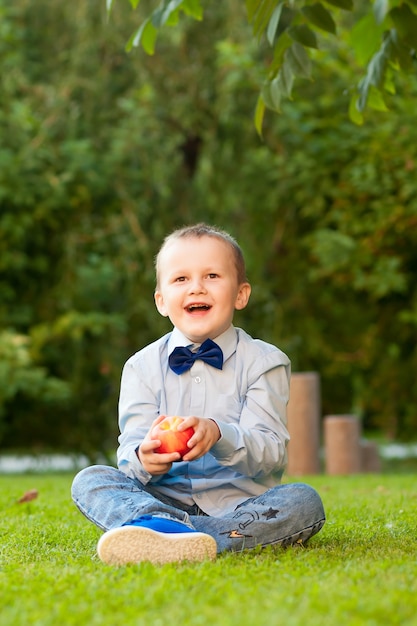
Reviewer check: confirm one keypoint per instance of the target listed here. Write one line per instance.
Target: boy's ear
(243, 296)
(159, 302)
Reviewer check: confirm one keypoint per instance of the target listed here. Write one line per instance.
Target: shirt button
(197, 380)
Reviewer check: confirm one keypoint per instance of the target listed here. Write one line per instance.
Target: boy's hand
(206, 434)
(155, 463)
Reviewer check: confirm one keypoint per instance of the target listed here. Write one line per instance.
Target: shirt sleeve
(255, 443)
(138, 407)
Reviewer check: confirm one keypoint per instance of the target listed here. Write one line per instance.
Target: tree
(382, 36)
(103, 152)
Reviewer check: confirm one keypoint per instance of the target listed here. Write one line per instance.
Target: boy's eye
(213, 275)
(180, 279)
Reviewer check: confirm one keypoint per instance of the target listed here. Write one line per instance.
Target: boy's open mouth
(195, 308)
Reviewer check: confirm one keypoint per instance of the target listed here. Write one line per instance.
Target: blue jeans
(284, 514)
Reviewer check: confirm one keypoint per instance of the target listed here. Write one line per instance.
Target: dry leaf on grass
(32, 494)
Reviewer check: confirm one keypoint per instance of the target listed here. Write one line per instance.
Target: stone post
(370, 459)
(342, 444)
(304, 409)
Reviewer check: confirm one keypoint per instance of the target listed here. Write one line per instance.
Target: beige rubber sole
(135, 544)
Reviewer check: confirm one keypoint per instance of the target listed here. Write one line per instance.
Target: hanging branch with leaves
(294, 29)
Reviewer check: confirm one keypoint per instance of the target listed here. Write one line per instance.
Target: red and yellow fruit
(172, 439)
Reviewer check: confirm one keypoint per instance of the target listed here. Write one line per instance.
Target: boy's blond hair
(204, 230)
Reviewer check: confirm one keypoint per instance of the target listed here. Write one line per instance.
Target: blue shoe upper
(160, 524)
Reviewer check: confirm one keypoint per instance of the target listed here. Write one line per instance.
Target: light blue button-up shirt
(247, 399)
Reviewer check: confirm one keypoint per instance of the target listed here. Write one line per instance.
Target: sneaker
(155, 539)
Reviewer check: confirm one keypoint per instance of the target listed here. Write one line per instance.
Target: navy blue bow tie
(181, 359)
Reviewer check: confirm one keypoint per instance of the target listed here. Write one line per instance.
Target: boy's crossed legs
(143, 525)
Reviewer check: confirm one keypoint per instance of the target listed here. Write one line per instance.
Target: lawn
(360, 570)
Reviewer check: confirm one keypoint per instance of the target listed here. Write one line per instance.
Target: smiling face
(198, 287)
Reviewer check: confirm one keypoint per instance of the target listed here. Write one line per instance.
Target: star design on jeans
(270, 513)
(234, 534)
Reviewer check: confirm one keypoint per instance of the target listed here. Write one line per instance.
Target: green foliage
(102, 153)
(360, 569)
(385, 33)
(19, 376)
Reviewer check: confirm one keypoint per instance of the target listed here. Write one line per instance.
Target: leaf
(263, 16)
(145, 35)
(30, 495)
(193, 8)
(320, 17)
(376, 100)
(273, 24)
(365, 38)
(259, 115)
(287, 16)
(283, 43)
(389, 84)
(296, 63)
(251, 8)
(380, 10)
(377, 67)
(162, 15)
(376, 71)
(275, 93)
(299, 60)
(286, 79)
(303, 35)
(149, 36)
(173, 18)
(271, 95)
(135, 38)
(355, 115)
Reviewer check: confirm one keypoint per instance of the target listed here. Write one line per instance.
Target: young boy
(223, 494)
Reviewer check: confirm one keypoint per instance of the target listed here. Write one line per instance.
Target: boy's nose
(197, 286)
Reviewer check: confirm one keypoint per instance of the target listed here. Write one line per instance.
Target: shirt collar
(227, 341)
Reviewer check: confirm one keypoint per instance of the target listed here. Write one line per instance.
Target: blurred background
(102, 153)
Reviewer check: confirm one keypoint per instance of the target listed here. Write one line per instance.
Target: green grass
(360, 570)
